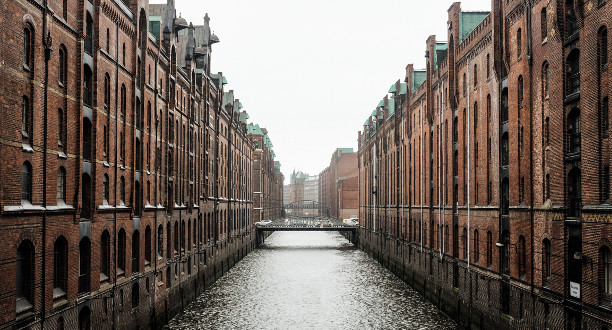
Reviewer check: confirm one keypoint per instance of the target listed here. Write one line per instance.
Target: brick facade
(484, 178)
(126, 181)
(338, 185)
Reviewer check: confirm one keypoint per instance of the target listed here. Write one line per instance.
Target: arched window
(123, 60)
(123, 100)
(522, 254)
(160, 241)
(85, 196)
(176, 237)
(476, 247)
(121, 253)
(574, 193)
(26, 119)
(60, 320)
(136, 252)
(26, 183)
(105, 250)
(464, 81)
(571, 21)
(605, 185)
(605, 274)
(488, 66)
(464, 242)
(183, 235)
(545, 80)
(543, 23)
(519, 100)
(27, 46)
(105, 190)
(89, 35)
(147, 254)
(504, 107)
(505, 197)
(605, 117)
(25, 276)
(60, 268)
(546, 265)
(135, 295)
(475, 76)
(60, 128)
(505, 252)
(61, 185)
(573, 72)
(87, 86)
(489, 249)
(84, 265)
(85, 318)
(603, 47)
(122, 190)
(107, 90)
(108, 40)
(519, 44)
(138, 199)
(61, 68)
(65, 12)
(505, 150)
(574, 132)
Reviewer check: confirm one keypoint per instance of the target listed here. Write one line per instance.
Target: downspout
(530, 62)
(440, 187)
(116, 165)
(443, 248)
(48, 51)
(155, 269)
(468, 160)
(421, 170)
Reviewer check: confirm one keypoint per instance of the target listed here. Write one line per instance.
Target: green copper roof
(418, 78)
(366, 122)
(224, 80)
(381, 103)
(154, 25)
(228, 98)
(403, 88)
(239, 105)
(244, 116)
(373, 113)
(393, 89)
(254, 129)
(391, 106)
(344, 151)
(468, 21)
(440, 49)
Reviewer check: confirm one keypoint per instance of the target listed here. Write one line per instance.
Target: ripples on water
(310, 280)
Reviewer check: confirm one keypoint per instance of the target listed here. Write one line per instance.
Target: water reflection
(310, 280)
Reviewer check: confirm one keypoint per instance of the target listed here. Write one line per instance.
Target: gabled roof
(254, 129)
(440, 53)
(228, 98)
(391, 106)
(468, 21)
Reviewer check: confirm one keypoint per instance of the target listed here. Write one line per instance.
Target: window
(546, 265)
(105, 250)
(605, 117)
(121, 253)
(26, 118)
(60, 128)
(464, 242)
(176, 237)
(123, 100)
(61, 185)
(505, 150)
(27, 47)
(605, 273)
(505, 198)
(605, 185)
(476, 247)
(547, 130)
(543, 23)
(122, 190)
(504, 107)
(85, 196)
(160, 241)
(168, 240)
(488, 66)
(573, 132)
(25, 276)
(26, 183)
(464, 85)
(123, 61)
(545, 80)
(60, 268)
(135, 295)
(89, 35)
(571, 21)
(65, 9)
(135, 251)
(87, 86)
(505, 252)
(519, 44)
(574, 193)
(573, 72)
(105, 190)
(61, 68)
(108, 40)
(147, 254)
(522, 253)
(520, 92)
(107, 90)
(84, 265)
(475, 76)
(85, 318)
(489, 249)
(603, 47)
(547, 186)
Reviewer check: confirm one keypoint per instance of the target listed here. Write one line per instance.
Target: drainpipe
(468, 160)
(421, 169)
(440, 187)
(530, 62)
(155, 272)
(443, 152)
(47, 41)
(115, 167)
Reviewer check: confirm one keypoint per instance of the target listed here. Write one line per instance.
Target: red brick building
(338, 185)
(488, 170)
(126, 181)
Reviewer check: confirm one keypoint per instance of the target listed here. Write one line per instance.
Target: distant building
(339, 185)
(286, 194)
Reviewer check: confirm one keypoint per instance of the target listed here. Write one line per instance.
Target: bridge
(308, 223)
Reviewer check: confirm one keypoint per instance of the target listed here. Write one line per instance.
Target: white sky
(311, 71)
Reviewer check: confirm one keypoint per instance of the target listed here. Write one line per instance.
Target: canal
(310, 280)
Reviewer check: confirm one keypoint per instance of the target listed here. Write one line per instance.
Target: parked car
(263, 223)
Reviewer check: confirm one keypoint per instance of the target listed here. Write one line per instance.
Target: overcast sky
(311, 71)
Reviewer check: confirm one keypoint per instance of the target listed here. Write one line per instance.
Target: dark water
(310, 280)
